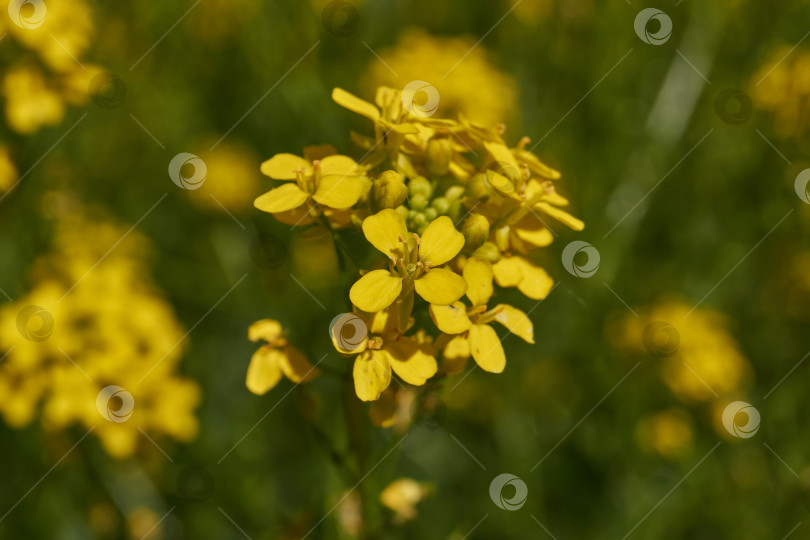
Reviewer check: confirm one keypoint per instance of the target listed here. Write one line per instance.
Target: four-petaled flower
(413, 263)
(471, 325)
(276, 357)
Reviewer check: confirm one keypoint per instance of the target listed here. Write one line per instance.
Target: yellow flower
(414, 263)
(473, 86)
(475, 335)
(276, 357)
(383, 350)
(402, 496)
(30, 102)
(334, 181)
(518, 271)
(669, 433)
(8, 171)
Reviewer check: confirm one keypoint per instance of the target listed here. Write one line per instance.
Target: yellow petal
(506, 160)
(355, 104)
(281, 199)
(264, 370)
(284, 166)
(440, 286)
(536, 283)
(516, 322)
(560, 215)
(508, 272)
(342, 165)
(455, 354)
(375, 291)
(372, 375)
(532, 233)
(338, 191)
(384, 229)
(440, 242)
(296, 217)
(486, 348)
(266, 329)
(410, 361)
(385, 321)
(450, 319)
(478, 275)
(295, 365)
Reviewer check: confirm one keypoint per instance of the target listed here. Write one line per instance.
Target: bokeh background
(680, 156)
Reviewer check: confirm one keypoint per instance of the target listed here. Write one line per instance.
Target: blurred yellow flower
(402, 496)
(700, 358)
(464, 74)
(30, 102)
(668, 433)
(782, 87)
(8, 171)
(231, 181)
(95, 343)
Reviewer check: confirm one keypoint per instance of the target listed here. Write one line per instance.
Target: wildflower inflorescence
(453, 210)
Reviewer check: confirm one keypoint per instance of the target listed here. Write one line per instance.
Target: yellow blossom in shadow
(8, 171)
(231, 182)
(472, 85)
(30, 102)
(401, 496)
(275, 358)
(667, 433)
(782, 87)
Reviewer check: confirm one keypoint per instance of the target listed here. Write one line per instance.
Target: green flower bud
(403, 211)
(454, 192)
(419, 220)
(439, 153)
(477, 187)
(418, 202)
(420, 185)
(476, 231)
(389, 190)
(488, 251)
(431, 214)
(441, 205)
(502, 238)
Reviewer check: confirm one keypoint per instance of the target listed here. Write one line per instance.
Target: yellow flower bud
(476, 231)
(478, 188)
(420, 185)
(488, 251)
(438, 155)
(389, 190)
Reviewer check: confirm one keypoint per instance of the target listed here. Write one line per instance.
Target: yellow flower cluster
(91, 322)
(451, 207)
(474, 86)
(782, 87)
(57, 35)
(700, 363)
